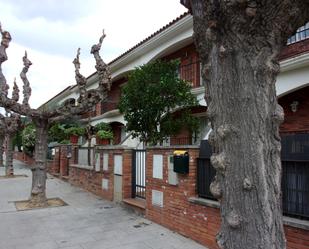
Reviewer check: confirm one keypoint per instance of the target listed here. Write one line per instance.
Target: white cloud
(52, 30)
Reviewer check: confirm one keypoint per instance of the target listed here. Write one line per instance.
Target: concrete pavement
(88, 222)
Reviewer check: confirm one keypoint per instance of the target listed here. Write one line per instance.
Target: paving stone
(83, 224)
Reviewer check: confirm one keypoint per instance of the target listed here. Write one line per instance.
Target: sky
(52, 30)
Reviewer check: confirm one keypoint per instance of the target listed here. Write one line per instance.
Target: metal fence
(205, 175)
(139, 174)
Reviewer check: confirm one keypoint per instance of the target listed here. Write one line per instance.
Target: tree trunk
(9, 170)
(239, 43)
(245, 117)
(1, 151)
(38, 191)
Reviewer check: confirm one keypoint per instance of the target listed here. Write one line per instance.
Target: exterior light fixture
(294, 106)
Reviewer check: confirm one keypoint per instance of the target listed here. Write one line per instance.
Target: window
(295, 174)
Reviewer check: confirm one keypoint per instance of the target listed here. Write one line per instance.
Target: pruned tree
(43, 118)
(12, 124)
(148, 101)
(2, 137)
(239, 42)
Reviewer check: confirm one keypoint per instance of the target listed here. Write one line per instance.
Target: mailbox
(181, 161)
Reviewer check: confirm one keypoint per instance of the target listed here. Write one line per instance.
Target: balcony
(107, 106)
(296, 44)
(301, 34)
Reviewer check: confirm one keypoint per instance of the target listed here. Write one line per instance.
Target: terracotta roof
(146, 39)
(151, 36)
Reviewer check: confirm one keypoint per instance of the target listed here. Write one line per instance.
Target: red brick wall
(113, 96)
(198, 222)
(53, 166)
(21, 156)
(91, 180)
(195, 221)
(63, 161)
(294, 49)
(296, 121)
(296, 238)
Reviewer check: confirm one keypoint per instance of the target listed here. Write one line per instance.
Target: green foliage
(102, 126)
(103, 130)
(75, 130)
(28, 138)
(103, 134)
(65, 141)
(56, 133)
(152, 93)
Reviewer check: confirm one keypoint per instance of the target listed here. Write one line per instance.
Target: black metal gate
(139, 174)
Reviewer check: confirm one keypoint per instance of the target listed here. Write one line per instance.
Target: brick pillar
(127, 174)
(56, 161)
(64, 161)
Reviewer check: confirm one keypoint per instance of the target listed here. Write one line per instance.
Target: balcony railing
(301, 34)
(107, 106)
(190, 72)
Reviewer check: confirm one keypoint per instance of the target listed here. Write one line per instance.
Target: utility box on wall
(181, 161)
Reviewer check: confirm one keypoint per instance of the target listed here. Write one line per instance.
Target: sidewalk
(88, 222)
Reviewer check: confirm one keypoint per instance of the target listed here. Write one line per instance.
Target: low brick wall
(198, 222)
(23, 157)
(99, 178)
(183, 212)
(90, 180)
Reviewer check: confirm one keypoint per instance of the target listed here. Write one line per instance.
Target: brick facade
(294, 49)
(296, 121)
(196, 221)
(113, 96)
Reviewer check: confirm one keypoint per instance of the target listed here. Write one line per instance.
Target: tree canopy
(148, 101)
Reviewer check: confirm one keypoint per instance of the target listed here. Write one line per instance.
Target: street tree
(2, 137)
(42, 118)
(239, 42)
(12, 125)
(153, 93)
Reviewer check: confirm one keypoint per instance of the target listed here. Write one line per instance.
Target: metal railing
(181, 140)
(139, 174)
(301, 34)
